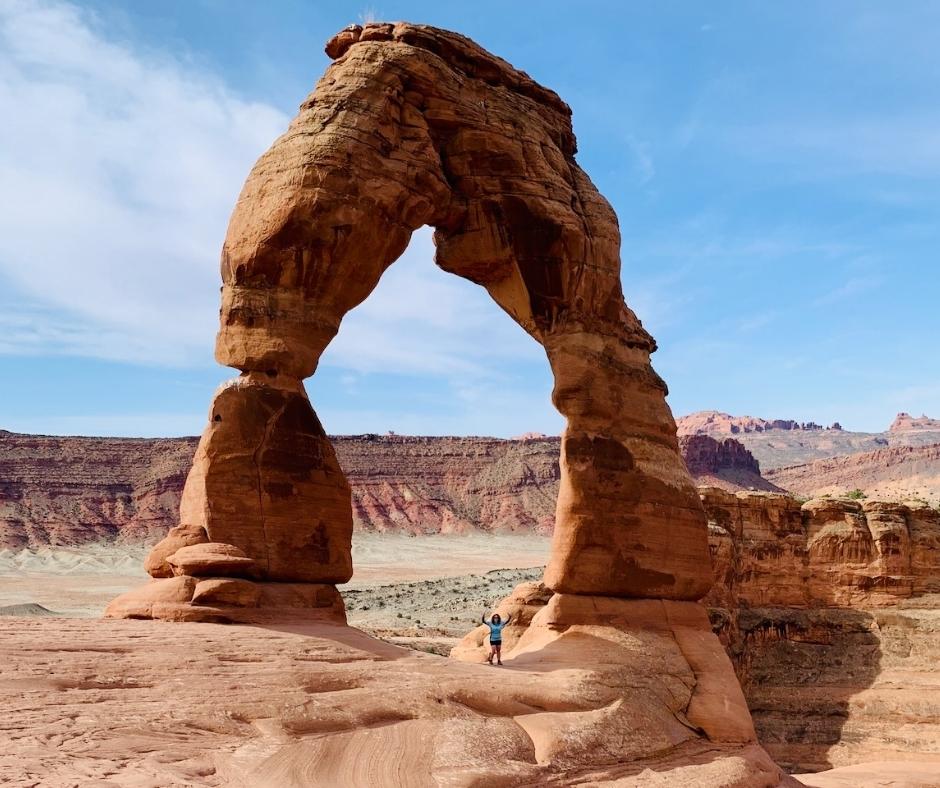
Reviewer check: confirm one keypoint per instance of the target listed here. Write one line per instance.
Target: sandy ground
(434, 585)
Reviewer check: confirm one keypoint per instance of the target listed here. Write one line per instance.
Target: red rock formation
(904, 422)
(897, 473)
(713, 422)
(400, 484)
(725, 464)
(823, 552)
(414, 126)
(63, 491)
(828, 610)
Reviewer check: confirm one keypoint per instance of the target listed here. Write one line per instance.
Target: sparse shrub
(856, 494)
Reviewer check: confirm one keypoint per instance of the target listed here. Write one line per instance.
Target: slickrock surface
(897, 473)
(780, 442)
(154, 703)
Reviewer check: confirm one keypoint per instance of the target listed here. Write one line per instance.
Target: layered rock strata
(829, 610)
(68, 491)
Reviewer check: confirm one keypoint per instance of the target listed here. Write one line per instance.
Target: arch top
(461, 53)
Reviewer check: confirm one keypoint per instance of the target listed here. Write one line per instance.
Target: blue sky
(776, 172)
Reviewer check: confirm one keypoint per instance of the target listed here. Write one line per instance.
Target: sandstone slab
(211, 558)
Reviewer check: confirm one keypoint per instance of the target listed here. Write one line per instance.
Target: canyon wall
(894, 473)
(829, 611)
(777, 443)
(70, 490)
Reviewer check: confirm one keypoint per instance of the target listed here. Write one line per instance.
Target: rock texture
(414, 126)
(829, 610)
(896, 473)
(770, 550)
(722, 463)
(61, 491)
(87, 702)
(399, 483)
(905, 422)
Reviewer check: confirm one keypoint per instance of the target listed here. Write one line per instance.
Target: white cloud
(118, 171)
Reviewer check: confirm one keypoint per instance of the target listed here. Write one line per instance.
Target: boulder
(211, 558)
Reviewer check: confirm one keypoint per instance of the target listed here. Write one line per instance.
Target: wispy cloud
(852, 287)
(117, 174)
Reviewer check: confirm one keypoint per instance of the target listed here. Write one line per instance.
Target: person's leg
(492, 652)
(499, 653)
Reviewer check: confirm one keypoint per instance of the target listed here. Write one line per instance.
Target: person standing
(496, 625)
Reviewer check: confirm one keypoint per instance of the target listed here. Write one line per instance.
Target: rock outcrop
(896, 473)
(722, 463)
(905, 422)
(829, 612)
(770, 550)
(414, 126)
(67, 491)
(777, 443)
(60, 491)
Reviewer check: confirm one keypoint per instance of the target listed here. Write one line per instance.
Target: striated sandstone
(773, 551)
(212, 558)
(897, 473)
(722, 463)
(321, 704)
(400, 484)
(265, 479)
(780, 443)
(415, 126)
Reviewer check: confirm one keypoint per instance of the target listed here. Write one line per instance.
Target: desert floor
(425, 592)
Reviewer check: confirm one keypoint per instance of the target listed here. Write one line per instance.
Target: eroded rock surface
(415, 126)
(155, 703)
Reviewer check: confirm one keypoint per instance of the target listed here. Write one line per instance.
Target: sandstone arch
(414, 126)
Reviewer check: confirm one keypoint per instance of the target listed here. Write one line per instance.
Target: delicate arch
(412, 126)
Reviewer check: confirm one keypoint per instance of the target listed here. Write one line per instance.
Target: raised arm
(483, 617)
(508, 619)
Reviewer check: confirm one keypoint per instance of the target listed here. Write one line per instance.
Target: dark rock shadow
(799, 668)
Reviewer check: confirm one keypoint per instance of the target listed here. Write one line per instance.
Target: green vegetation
(856, 494)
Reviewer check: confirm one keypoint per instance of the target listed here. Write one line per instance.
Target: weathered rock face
(829, 612)
(895, 473)
(415, 126)
(67, 491)
(60, 491)
(905, 421)
(772, 551)
(265, 478)
(722, 463)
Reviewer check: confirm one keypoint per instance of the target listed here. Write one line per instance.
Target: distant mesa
(725, 464)
(531, 436)
(713, 422)
(904, 422)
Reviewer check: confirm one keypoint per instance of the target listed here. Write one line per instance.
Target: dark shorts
(496, 642)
